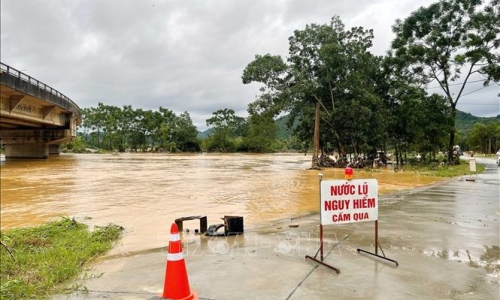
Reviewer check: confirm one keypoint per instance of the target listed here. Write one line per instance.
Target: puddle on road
(488, 260)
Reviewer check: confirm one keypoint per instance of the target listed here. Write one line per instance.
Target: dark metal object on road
(322, 263)
(377, 245)
(320, 250)
(203, 222)
(212, 230)
(376, 255)
(233, 225)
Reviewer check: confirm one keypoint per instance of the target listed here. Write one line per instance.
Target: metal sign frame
(321, 248)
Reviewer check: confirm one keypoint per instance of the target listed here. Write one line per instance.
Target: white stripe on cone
(174, 237)
(175, 256)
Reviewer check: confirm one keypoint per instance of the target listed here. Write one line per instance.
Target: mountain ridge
(464, 122)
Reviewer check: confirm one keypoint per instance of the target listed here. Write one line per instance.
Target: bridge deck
(31, 112)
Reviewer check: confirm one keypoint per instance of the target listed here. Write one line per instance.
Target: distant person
(498, 157)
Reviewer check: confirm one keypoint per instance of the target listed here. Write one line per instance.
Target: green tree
(94, 119)
(485, 137)
(142, 124)
(226, 126)
(446, 43)
(186, 134)
(85, 125)
(76, 145)
(166, 129)
(432, 123)
(331, 66)
(261, 133)
(126, 122)
(153, 121)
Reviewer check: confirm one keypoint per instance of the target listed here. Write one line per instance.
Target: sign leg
(321, 241)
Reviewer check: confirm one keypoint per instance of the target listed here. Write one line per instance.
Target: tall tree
(261, 133)
(485, 137)
(186, 133)
(225, 124)
(167, 128)
(86, 123)
(330, 66)
(97, 120)
(447, 42)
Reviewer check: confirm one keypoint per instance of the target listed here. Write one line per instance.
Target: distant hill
(465, 121)
(204, 134)
(283, 131)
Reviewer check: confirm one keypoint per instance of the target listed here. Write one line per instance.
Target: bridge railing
(26, 78)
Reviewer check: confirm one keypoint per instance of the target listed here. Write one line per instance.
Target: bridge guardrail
(26, 78)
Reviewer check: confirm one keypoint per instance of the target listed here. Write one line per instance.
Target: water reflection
(489, 259)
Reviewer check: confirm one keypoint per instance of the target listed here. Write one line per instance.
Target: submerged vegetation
(36, 261)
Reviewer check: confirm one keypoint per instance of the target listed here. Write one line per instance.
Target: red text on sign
(363, 203)
(336, 205)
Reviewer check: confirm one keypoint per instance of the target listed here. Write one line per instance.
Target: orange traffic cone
(176, 280)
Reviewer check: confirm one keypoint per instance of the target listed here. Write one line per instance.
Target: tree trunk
(396, 155)
(315, 161)
(452, 135)
(340, 145)
(450, 145)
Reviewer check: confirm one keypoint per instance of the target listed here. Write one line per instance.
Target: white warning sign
(349, 201)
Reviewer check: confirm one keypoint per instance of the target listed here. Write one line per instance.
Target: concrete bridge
(34, 117)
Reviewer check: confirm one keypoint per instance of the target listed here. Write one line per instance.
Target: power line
(491, 80)
(476, 90)
(479, 104)
(458, 83)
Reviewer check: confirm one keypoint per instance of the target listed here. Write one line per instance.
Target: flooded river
(144, 193)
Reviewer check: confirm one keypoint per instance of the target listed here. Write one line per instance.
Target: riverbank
(37, 260)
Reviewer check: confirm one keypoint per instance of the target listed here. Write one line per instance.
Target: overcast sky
(184, 55)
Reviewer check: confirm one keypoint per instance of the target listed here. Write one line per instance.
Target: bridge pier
(54, 149)
(26, 151)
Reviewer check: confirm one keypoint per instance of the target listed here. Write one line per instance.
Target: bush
(76, 145)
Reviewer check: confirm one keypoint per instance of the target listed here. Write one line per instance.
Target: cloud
(182, 55)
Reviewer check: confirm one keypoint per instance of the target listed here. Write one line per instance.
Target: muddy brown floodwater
(144, 193)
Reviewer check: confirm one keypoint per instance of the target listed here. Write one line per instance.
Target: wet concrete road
(445, 237)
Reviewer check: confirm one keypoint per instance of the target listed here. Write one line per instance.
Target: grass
(445, 170)
(36, 261)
